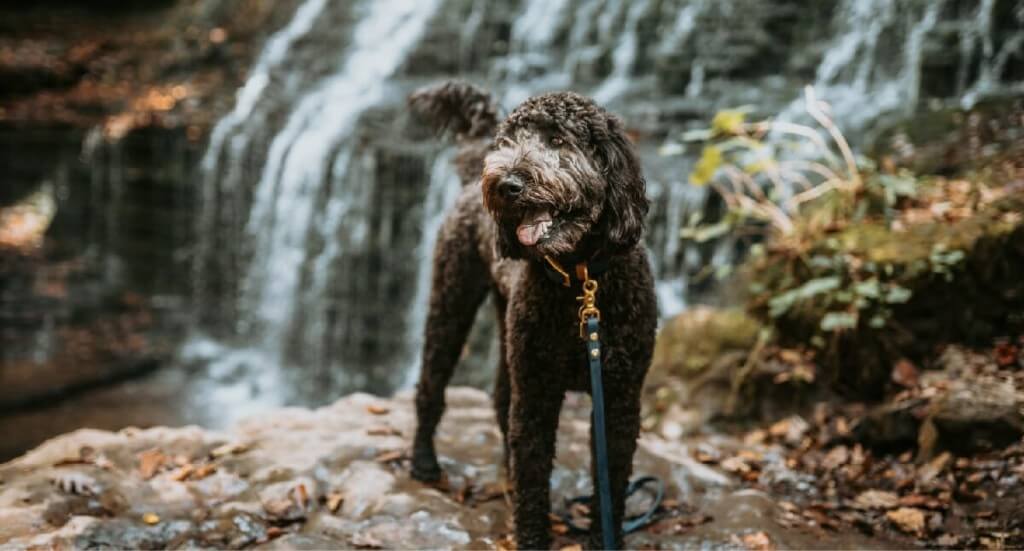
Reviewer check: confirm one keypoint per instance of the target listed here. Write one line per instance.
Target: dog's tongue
(533, 228)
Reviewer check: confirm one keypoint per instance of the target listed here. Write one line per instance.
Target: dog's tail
(467, 110)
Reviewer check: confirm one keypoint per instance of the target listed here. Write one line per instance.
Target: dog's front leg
(533, 424)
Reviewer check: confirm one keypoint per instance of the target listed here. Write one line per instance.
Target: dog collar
(555, 272)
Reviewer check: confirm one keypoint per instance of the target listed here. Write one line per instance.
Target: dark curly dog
(559, 179)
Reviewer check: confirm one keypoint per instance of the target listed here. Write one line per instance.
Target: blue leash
(590, 332)
(604, 490)
(604, 484)
(629, 524)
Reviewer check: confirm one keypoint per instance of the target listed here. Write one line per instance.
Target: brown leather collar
(555, 272)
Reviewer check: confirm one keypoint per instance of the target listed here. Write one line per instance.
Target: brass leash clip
(588, 300)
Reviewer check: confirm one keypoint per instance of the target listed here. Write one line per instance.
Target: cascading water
(320, 206)
(443, 190)
(308, 191)
(291, 188)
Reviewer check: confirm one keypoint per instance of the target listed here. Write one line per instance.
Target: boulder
(335, 477)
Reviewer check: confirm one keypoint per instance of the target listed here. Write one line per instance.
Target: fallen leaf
(905, 374)
(183, 473)
(842, 426)
(788, 506)
(301, 496)
(150, 461)
(505, 543)
(204, 471)
(231, 448)
(488, 492)
(735, 464)
(463, 494)
(705, 457)
(876, 499)
(1006, 354)
(750, 456)
(754, 437)
(791, 429)
(377, 409)
(151, 518)
(670, 503)
(919, 500)
(907, 519)
(934, 468)
(334, 501)
(758, 541)
(835, 458)
(820, 518)
(390, 456)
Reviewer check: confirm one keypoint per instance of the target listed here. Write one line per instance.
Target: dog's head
(562, 176)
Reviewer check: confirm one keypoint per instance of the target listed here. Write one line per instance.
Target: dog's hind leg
(459, 284)
(502, 384)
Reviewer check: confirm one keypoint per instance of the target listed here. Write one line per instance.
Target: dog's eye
(557, 142)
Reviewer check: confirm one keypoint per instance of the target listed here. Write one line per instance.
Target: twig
(815, 111)
(811, 194)
(807, 132)
(748, 367)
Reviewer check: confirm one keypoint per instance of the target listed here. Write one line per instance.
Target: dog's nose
(510, 187)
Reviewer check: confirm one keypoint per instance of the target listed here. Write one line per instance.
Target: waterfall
(855, 68)
(976, 45)
(320, 206)
(444, 189)
(294, 174)
(624, 56)
(216, 213)
(863, 79)
(310, 188)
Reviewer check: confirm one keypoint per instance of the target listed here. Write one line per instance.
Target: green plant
(766, 180)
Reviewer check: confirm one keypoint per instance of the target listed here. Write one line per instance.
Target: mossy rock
(950, 139)
(957, 282)
(690, 342)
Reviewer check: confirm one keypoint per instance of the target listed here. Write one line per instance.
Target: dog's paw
(426, 470)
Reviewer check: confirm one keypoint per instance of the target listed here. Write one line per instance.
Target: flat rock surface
(338, 477)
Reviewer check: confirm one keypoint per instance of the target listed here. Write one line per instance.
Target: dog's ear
(626, 201)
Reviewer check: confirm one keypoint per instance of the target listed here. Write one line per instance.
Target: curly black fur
(468, 112)
(574, 165)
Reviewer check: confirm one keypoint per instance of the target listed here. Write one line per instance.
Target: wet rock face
(336, 477)
(120, 223)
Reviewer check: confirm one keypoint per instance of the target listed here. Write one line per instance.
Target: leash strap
(604, 485)
(590, 332)
(629, 524)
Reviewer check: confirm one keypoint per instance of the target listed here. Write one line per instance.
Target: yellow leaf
(760, 165)
(151, 518)
(728, 121)
(710, 160)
